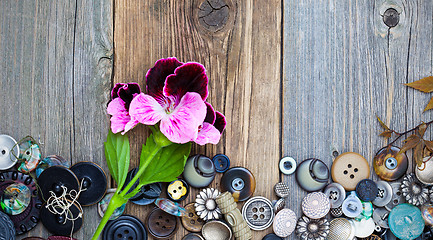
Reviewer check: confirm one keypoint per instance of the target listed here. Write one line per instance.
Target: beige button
(348, 169)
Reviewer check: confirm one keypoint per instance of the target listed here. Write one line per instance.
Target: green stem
(115, 202)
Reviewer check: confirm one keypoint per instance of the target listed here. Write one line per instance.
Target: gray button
(391, 163)
(384, 194)
(238, 184)
(336, 194)
(380, 217)
(352, 206)
(397, 196)
(282, 190)
(279, 205)
(258, 213)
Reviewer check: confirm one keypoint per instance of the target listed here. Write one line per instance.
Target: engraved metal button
(352, 206)
(312, 229)
(8, 150)
(336, 212)
(397, 196)
(284, 223)
(413, 190)
(341, 228)
(282, 189)
(287, 165)
(348, 169)
(258, 213)
(389, 165)
(384, 194)
(336, 194)
(315, 205)
(406, 222)
(279, 205)
(380, 217)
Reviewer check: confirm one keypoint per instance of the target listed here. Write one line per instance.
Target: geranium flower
(211, 129)
(121, 97)
(175, 97)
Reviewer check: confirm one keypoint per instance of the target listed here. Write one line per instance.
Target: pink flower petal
(130, 125)
(210, 114)
(156, 76)
(181, 126)
(208, 134)
(119, 121)
(146, 110)
(190, 77)
(220, 121)
(116, 106)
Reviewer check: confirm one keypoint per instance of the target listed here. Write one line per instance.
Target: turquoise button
(406, 222)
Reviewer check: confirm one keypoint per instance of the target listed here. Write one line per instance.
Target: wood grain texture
(342, 66)
(55, 65)
(242, 58)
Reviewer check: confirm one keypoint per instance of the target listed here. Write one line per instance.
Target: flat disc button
(312, 175)
(93, 179)
(389, 165)
(191, 221)
(315, 205)
(364, 228)
(348, 169)
(8, 148)
(55, 179)
(125, 227)
(282, 190)
(7, 227)
(161, 225)
(384, 194)
(240, 182)
(397, 196)
(59, 224)
(287, 165)
(341, 228)
(336, 194)
(406, 222)
(366, 190)
(221, 162)
(258, 213)
(284, 223)
(177, 190)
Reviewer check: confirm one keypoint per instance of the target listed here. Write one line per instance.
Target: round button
(221, 162)
(424, 173)
(191, 221)
(366, 190)
(308, 229)
(55, 179)
(397, 196)
(367, 211)
(348, 169)
(284, 223)
(388, 165)
(49, 161)
(199, 171)
(341, 228)
(103, 205)
(364, 228)
(315, 205)
(384, 194)
(336, 212)
(6, 226)
(147, 194)
(59, 224)
(33, 238)
(214, 230)
(352, 206)
(161, 224)
(192, 236)
(31, 154)
(406, 222)
(8, 150)
(240, 182)
(413, 190)
(427, 213)
(287, 165)
(125, 227)
(380, 217)
(60, 238)
(94, 181)
(15, 198)
(312, 175)
(336, 194)
(177, 190)
(279, 205)
(206, 206)
(271, 236)
(258, 213)
(282, 190)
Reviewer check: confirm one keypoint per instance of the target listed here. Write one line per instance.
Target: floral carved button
(336, 194)
(315, 205)
(406, 222)
(161, 225)
(8, 150)
(191, 221)
(348, 169)
(177, 190)
(366, 190)
(414, 191)
(258, 213)
(287, 165)
(384, 194)
(389, 165)
(240, 182)
(312, 174)
(312, 229)
(284, 223)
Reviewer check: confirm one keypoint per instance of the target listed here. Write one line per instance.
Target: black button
(58, 224)
(177, 190)
(53, 178)
(366, 190)
(94, 181)
(125, 227)
(271, 236)
(147, 194)
(240, 182)
(221, 162)
(7, 227)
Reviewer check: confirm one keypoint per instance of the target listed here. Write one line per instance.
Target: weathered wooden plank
(240, 46)
(342, 66)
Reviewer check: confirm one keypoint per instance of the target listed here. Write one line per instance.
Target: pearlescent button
(341, 228)
(221, 162)
(364, 228)
(287, 165)
(199, 171)
(31, 154)
(284, 223)
(367, 211)
(352, 206)
(397, 196)
(427, 213)
(366, 190)
(348, 169)
(312, 175)
(15, 198)
(384, 194)
(240, 182)
(336, 194)
(315, 205)
(8, 148)
(258, 213)
(388, 165)
(424, 173)
(406, 222)
(282, 190)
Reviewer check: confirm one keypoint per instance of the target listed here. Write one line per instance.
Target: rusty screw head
(391, 17)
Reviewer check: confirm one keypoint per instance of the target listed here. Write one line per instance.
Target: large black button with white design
(336, 194)
(125, 227)
(258, 213)
(7, 230)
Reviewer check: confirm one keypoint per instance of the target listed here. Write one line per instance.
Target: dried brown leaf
(383, 124)
(429, 105)
(386, 133)
(421, 129)
(429, 145)
(417, 153)
(410, 143)
(424, 85)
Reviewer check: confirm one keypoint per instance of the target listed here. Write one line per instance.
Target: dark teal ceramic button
(406, 222)
(312, 175)
(221, 162)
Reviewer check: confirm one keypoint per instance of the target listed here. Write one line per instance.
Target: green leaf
(117, 155)
(147, 149)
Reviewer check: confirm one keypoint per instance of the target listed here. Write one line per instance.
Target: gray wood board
(55, 65)
(341, 66)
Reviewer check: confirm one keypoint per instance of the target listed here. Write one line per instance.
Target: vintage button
(287, 165)
(424, 173)
(103, 205)
(15, 198)
(8, 150)
(170, 207)
(60, 238)
(240, 182)
(221, 162)
(384, 194)
(30, 155)
(312, 175)
(414, 191)
(147, 194)
(427, 214)
(199, 171)
(372, 237)
(284, 223)
(192, 236)
(336, 194)
(367, 211)
(7, 227)
(366, 190)
(341, 228)
(352, 206)
(161, 224)
(364, 228)
(279, 205)
(49, 161)
(282, 190)
(216, 230)
(125, 227)
(271, 236)
(348, 169)
(33, 238)
(336, 212)
(312, 229)
(92, 178)
(57, 179)
(206, 206)
(397, 196)
(388, 165)
(258, 213)
(406, 222)
(59, 224)
(315, 205)
(380, 217)
(177, 190)
(191, 221)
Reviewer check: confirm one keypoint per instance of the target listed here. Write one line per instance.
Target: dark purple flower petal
(128, 92)
(190, 77)
(156, 76)
(210, 114)
(220, 122)
(114, 92)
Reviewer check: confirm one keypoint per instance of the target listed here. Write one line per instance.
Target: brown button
(161, 224)
(348, 169)
(191, 221)
(389, 165)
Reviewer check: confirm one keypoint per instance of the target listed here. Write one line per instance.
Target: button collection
(125, 227)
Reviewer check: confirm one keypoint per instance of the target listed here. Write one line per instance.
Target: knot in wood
(391, 17)
(213, 14)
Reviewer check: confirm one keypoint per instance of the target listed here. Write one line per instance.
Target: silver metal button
(336, 194)
(384, 194)
(258, 212)
(8, 150)
(380, 217)
(397, 196)
(282, 190)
